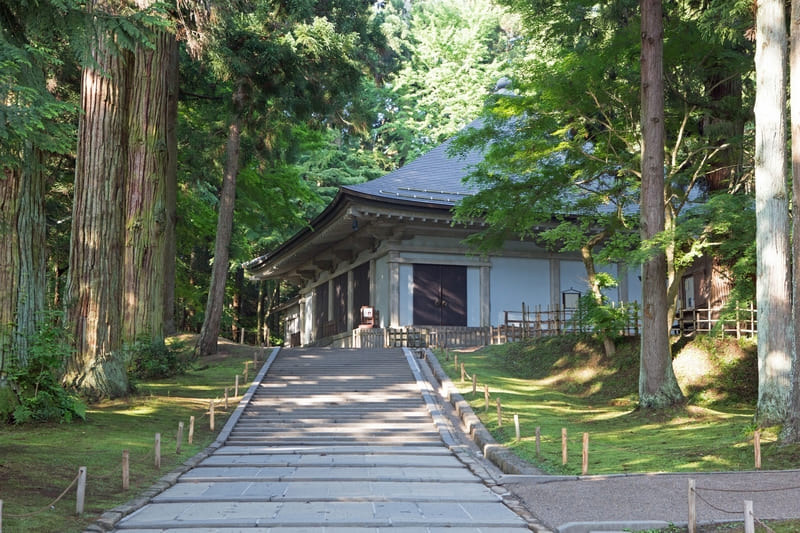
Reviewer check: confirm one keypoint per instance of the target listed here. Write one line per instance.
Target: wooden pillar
(555, 283)
(486, 296)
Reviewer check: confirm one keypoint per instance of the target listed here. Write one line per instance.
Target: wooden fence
(420, 337)
(742, 321)
(558, 321)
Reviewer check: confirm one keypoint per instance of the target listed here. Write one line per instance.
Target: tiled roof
(433, 178)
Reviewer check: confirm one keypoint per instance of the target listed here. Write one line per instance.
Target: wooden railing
(420, 337)
(742, 321)
(558, 321)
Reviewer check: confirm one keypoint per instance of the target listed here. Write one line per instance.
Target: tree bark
(170, 246)
(791, 428)
(209, 332)
(94, 286)
(147, 210)
(658, 386)
(773, 273)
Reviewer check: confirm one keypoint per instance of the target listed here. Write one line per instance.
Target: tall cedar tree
(35, 126)
(791, 429)
(301, 59)
(658, 386)
(773, 273)
(115, 288)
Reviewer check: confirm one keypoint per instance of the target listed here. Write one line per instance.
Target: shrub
(37, 382)
(154, 358)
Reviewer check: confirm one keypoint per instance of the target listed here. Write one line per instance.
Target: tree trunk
(773, 273)
(658, 386)
(94, 287)
(170, 247)
(791, 428)
(209, 333)
(609, 346)
(147, 210)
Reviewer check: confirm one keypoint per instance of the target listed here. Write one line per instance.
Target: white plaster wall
(518, 280)
(406, 286)
(573, 276)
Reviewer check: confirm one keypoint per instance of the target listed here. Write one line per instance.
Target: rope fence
(748, 515)
(564, 440)
(152, 456)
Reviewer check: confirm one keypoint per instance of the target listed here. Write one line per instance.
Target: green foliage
(155, 359)
(41, 396)
(603, 317)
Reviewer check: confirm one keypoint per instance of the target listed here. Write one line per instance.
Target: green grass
(568, 382)
(39, 461)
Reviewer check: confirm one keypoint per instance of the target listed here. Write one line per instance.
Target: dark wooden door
(440, 295)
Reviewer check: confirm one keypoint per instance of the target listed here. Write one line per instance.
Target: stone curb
(109, 519)
(503, 458)
(506, 460)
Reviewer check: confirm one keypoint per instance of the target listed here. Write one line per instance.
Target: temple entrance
(440, 295)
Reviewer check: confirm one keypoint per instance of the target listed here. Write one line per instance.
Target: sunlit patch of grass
(556, 383)
(37, 462)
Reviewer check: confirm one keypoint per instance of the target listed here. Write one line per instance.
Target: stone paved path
(332, 441)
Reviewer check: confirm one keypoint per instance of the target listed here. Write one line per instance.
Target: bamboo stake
(499, 414)
(463, 373)
(757, 448)
(474, 383)
(486, 398)
(516, 426)
(236, 386)
(563, 445)
(126, 470)
(211, 414)
(226, 397)
(585, 457)
(538, 440)
(191, 429)
(158, 450)
(692, 508)
(81, 497)
(749, 522)
(179, 438)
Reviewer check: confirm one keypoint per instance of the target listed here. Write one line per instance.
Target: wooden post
(538, 440)
(1, 516)
(474, 383)
(246, 369)
(757, 448)
(211, 415)
(692, 508)
(486, 398)
(236, 387)
(158, 450)
(179, 438)
(749, 521)
(255, 359)
(564, 446)
(463, 373)
(226, 397)
(585, 457)
(126, 470)
(81, 498)
(499, 414)
(455, 358)
(191, 429)
(516, 426)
